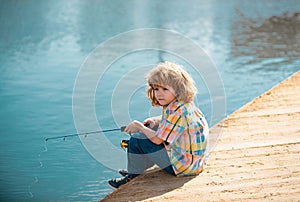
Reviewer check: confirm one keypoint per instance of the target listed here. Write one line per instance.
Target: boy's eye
(165, 89)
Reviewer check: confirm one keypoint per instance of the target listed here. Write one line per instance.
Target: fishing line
(36, 179)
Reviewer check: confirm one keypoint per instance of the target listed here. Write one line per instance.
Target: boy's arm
(137, 126)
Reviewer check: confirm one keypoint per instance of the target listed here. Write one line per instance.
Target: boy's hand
(137, 126)
(149, 122)
(134, 127)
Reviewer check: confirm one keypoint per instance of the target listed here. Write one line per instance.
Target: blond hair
(171, 74)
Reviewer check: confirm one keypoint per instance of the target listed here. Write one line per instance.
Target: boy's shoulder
(179, 107)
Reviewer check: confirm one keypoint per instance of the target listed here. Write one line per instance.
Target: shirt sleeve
(171, 127)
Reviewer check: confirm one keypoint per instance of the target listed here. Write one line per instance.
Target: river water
(45, 46)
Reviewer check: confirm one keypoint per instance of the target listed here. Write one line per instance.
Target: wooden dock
(257, 157)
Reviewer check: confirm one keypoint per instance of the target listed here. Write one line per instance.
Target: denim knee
(140, 144)
(134, 145)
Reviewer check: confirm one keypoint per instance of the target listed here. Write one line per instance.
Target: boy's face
(164, 94)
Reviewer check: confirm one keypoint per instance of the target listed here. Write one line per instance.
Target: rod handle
(122, 128)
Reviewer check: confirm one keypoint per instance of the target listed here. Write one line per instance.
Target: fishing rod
(85, 134)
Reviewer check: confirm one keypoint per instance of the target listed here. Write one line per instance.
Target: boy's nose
(159, 93)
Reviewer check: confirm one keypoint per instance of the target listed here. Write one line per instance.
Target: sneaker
(116, 183)
(123, 172)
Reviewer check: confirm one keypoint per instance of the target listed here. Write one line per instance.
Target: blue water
(43, 44)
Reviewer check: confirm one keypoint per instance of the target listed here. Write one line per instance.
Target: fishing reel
(124, 144)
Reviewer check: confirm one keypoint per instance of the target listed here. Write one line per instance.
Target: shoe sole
(112, 187)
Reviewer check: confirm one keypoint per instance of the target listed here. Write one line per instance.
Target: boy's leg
(137, 162)
(142, 154)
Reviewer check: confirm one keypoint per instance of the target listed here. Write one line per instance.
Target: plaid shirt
(184, 127)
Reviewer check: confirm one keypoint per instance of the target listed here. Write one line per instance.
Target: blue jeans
(142, 154)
